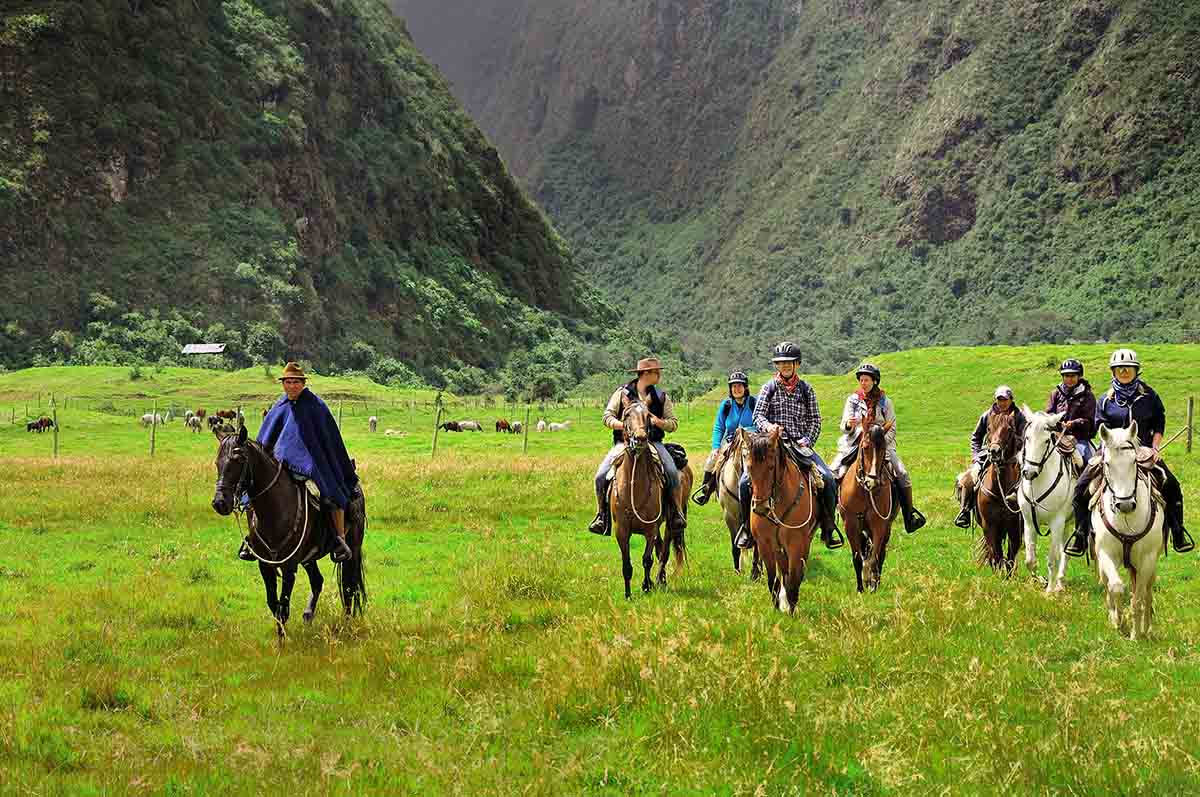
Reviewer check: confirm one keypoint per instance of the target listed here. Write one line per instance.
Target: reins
(861, 480)
(299, 525)
(1036, 503)
(771, 514)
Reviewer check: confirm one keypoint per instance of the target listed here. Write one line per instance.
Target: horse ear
(241, 435)
(1133, 429)
(1028, 413)
(1104, 436)
(1057, 419)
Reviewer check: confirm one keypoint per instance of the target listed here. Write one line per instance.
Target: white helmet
(1126, 357)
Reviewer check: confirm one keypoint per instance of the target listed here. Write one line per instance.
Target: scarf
(1124, 394)
(874, 397)
(1068, 392)
(789, 384)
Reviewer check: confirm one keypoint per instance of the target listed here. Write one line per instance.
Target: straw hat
(647, 364)
(293, 371)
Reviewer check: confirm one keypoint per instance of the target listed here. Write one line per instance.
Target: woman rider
(1003, 403)
(1075, 399)
(1131, 399)
(858, 405)
(735, 412)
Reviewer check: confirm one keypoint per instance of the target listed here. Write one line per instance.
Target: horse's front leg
(269, 578)
(626, 564)
(1056, 563)
(756, 567)
(315, 582)
(1030, 542)
(285, 593)
(648, 559)
(663, 547)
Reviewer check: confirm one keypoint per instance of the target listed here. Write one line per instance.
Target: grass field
(498, 657)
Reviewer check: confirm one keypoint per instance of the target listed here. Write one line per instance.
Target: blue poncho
(304, 436)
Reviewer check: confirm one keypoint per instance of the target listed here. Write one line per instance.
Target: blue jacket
(730, 417)
(304, 436)
(1147, 409)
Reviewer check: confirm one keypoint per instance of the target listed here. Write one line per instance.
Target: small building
(203, 348)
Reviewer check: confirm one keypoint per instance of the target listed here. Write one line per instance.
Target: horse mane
(759, 445)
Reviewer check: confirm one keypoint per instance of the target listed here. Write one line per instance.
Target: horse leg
(648, 559)
(315, 582)
(855, 537)
(663, 549)
(757, 567)
(737, 556)
(1114, 588)
(781, 581)
(1030, 543)
(285, 593)
(796, 568)
(626, 564)
(1056, 559)
(768, 557)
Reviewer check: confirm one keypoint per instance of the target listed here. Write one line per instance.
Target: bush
(390, 371)
(135, 373)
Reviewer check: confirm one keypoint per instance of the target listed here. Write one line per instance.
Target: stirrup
(1071, 551)
(963, 521)
(701, 496)
(1188, 543)
(599, 525)
(915, 519)
(744, 539)
(832, 542)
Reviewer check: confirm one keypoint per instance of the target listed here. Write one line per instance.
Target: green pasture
(497, 655)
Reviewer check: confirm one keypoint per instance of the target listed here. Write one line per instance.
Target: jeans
(744, 491)
(672, 473)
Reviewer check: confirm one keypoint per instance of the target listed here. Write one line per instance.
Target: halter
(241, 490)
(1036, 503)
(861, 479)
(1126, 539)
(631, 447)
(994, 463)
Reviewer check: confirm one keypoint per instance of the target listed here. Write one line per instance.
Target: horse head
(233, 469)
(1001, 436)
(1120, 466)
(1040, 429)
(761, 459)
(636, 419)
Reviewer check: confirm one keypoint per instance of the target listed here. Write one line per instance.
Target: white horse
(1128, 523)
(373, 422)
(193, 423)
(151, 418)
(565, 426)
(1044, 494)
(731, 506)
(541, 425)
(470, 426)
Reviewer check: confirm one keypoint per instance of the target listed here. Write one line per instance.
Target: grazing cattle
(470, 426)
(228, 415)
(188, 416)
(450, 426)
(560, 427)
(194, 423)
(214, 422)
(503, 426)
(541, 425)
(373, 422)
(517, 427)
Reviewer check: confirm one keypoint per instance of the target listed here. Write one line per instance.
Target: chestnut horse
(284, 534)
(784, 514)
(995, 500)
(636, 501)
(868, 503)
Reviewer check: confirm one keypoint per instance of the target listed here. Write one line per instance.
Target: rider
(662, 420)
(303, 435)
(1003, 404)
(735, 412)
(1131, 399)
(1075, 399)
(789, 403)
(858, 404)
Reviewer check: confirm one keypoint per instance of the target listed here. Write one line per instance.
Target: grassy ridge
(497, 655)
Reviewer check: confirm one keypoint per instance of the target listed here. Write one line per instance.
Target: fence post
(437, 422)
(525, 442)
(339, 414)
(54, 417)
(1191, 415)
(153, 425)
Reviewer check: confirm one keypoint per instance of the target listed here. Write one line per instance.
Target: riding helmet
(787, 352)
(870, 370)
(1071, 366)
(1122, 357)
(739, 377)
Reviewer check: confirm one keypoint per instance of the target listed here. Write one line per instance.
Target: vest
(656, 408)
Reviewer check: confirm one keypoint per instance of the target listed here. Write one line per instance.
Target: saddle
(678, 454)
(654, 458)
(1146, 466)
(1066, 447)
(803, 458)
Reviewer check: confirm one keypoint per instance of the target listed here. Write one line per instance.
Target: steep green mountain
(863, 175)
(292, 178)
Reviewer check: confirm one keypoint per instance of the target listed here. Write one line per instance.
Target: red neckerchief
(789, 384)
(874, 397)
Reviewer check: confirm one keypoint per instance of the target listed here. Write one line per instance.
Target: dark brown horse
(996, 500)
(503, 425)
(868, 503)
(636, 501)
(784, 516)
(285, 532)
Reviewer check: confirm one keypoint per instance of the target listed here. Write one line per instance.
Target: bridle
(242, 489)
(634, 449)
(869, 443)
(1126, 539)
(771, 515)
(1036, 503)
(994, 463)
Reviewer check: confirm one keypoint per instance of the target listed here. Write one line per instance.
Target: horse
(151, 419)
(868, 503)
(40, 425)
(373, 423)
(783, 539)
(728, 477)
(541, 425)
(517, 427)
(200, 412)
(229, 415)
(636, 504)
(999, 515)
(503, 426)
(213, 421)
(194, 423)
(450, 426)
(1128, 523)
(284, 534)
(470, 426)
(565, 426)
(1044, 494)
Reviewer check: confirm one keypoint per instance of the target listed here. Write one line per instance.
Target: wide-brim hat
(647, 364)
(293, 371)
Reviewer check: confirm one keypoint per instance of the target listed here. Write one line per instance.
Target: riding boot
(828, 506)
(600, 524)
(1181, 541)
(244, 552)
(913, 519)
(744, 539)
(675, 519)
(341, 551)
(963, 521)
(1078, 544)
(706, 489)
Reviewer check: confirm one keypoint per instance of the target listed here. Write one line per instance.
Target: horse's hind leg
(626, 564)
(648, 560)
(662, 547)
(315, 582)
(1030, 546)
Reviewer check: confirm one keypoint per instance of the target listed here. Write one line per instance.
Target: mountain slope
(861, 174)
(292, 171)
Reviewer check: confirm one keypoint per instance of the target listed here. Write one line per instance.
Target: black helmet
(786, 352)
(1071, 366)
(739, 377)
(870, 370)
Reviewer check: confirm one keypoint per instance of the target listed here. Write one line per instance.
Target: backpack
(727, 407)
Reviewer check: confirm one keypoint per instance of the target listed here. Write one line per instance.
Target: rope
(633, 503)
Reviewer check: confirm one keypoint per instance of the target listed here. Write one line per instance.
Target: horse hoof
(308, 617)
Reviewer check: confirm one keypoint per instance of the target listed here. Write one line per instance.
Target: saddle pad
(619, 458)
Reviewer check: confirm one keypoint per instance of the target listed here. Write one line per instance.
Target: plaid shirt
(796, 411)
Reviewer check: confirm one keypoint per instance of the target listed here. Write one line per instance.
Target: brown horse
(995, 500)
(784, 516)
(285, 532)
(636, 501)
(503, 425)
(868, 503)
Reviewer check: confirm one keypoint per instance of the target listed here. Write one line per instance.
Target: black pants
(828, 497)
(1171, 491)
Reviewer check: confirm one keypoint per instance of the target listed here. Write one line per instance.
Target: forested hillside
(864, 175)
(289, 177)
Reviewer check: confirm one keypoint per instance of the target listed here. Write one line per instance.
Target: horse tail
(679, 544)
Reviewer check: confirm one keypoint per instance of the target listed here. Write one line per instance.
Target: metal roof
(204, 348)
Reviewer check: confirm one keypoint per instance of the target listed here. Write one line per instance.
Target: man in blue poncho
(302, 434)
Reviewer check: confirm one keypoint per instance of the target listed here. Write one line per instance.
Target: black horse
(285, 530)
